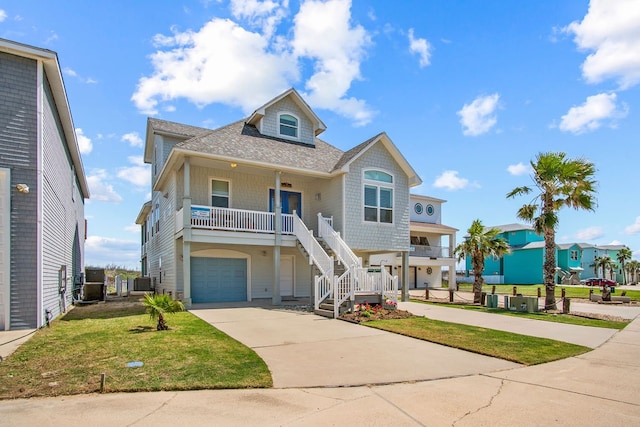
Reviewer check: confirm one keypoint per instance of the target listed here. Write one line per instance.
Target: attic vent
(286, 185)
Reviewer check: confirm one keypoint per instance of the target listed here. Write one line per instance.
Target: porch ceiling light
(233, 165)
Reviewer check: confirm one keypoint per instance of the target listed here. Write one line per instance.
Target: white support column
(186, 234)
(276, 298)
(405, 276)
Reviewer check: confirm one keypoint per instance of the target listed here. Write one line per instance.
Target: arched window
(288, 125)
(378, 196)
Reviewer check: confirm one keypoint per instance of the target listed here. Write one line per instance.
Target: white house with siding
(42, 189)
(264, 208)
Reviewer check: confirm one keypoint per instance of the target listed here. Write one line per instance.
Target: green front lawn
(547, 317)
(504, 345)
(532, 290)
(70, 356)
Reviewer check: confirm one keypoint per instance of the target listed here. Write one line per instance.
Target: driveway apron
(305, 350)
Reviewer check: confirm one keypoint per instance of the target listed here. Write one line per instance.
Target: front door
(412, 278)
(290, 200)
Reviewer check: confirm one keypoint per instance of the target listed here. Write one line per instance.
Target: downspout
(276, 299)
(39, 178)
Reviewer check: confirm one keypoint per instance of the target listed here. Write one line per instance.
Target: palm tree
(623, 256)
(633, 267)
(158, 305)
(607, 264)
(480, 243)
(560, 182)
(596, 266)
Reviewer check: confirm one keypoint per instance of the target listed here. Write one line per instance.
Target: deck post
(276, 299)
(186, 234)
(405, 276)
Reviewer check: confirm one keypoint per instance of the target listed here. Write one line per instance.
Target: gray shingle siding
(18, 152)
(270, 122)
(369, 235)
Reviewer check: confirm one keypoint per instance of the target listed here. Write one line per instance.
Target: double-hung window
(574, 255)
(378, 197)
(219, 193)
(288, 125)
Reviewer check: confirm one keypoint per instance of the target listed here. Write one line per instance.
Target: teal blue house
(524, 263)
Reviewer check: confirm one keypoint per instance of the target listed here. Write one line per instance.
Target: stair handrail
(323, 284)
(343, 252)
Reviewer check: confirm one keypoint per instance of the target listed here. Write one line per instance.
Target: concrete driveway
(305, 350)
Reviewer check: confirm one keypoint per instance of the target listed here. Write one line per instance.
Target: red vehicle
(596, 281)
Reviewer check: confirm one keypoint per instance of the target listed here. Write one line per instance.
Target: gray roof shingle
(164, 126)
(244, 141)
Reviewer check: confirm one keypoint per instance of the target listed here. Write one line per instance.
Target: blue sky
(470, 91)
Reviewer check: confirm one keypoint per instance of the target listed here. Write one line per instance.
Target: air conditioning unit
(523, 304)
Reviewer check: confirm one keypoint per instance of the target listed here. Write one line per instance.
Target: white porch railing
(324, 284)
(332, 238)
(377, 282)
(213, 218)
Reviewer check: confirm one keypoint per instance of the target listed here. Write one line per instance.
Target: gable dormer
(289, 117)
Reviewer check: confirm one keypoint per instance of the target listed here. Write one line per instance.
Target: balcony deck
(214, 218)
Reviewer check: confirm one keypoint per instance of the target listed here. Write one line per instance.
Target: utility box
(523, 304)
(492, 301)
(94, 287)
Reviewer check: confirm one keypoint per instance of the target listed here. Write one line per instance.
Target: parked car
(596, 281)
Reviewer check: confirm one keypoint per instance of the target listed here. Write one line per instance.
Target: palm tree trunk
(161, 325)
(549, 264)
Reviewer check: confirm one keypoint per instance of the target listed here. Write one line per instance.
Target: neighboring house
(42, 189)
(431, 246)
(524, 264)
(231, 209)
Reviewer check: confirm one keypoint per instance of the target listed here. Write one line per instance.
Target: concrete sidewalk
(599, 388)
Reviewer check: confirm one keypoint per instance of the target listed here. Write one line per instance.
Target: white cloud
(72, 73)
(132, 228)
(51, 38)
(265, 14)
(420, 47)
(589, 233)
(590, 115)
(191, 69)
(633, 228)
(323, 33)
(139, 174)
(84, 142)
(478, 117)
(450, 181)
(3, 15)
(519, 169)
(187, 64)
(100, 189)
(100, 251)
(609, 31)
(133, 138)
(615, 242)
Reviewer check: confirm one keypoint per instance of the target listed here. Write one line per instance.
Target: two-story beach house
(42, 189)
(264, 208)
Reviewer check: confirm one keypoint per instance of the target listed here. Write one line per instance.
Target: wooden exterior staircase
(341, 276)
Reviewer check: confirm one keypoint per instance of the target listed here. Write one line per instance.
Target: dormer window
(288, 126)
